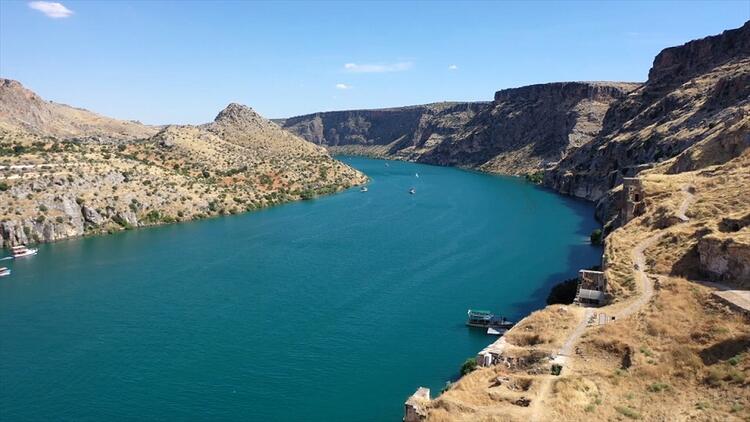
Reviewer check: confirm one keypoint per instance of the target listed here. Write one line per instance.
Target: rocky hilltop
(522, 131)
(21, 109)
(69, 173)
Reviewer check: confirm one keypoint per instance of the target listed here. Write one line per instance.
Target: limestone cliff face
(695, 92)
(529, 128)
(398, 132)
(521, 131)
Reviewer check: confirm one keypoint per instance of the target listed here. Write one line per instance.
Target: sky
(182, 62)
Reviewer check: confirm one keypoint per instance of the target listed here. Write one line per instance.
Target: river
(332, 309)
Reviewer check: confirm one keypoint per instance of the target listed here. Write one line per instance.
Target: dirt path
(646, 293)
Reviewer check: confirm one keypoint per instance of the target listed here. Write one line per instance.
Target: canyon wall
(522, 131)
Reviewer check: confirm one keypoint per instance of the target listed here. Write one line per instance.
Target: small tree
(596, 237)
(469, 365)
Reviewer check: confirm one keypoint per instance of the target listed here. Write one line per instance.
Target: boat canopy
(477, 312)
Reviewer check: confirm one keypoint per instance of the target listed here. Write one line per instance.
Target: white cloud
(51, 9)
(343, 86)
(378, 68)
(453, 67)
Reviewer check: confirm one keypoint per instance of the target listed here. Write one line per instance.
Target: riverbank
(665, 346)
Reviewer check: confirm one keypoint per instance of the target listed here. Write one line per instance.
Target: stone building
(592, 288)
(633, 205)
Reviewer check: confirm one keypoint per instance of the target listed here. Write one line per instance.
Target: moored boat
(485, 319)
(478, 318)
(21, 251)
(4, 271)
(363, 189)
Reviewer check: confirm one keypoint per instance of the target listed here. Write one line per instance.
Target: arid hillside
(23, 110)
(61, 177)
(673, 341)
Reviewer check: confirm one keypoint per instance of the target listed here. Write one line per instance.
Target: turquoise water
(332, 309)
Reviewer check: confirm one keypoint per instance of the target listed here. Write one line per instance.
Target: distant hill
(67, 172)
(22, 109)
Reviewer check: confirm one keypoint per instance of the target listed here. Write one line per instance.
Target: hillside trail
(646, 293)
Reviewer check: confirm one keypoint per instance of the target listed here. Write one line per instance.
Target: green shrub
(596, 237)
(535, 178)
(563, 293)
(469, 365)
(628, 412)
(556, 369)
(4, 186)
(658, 387)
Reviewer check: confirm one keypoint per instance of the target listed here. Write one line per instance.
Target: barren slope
(53, 188)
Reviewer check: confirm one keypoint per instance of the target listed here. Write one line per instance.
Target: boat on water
(363, 189)
(22, 250)
(4, 271)
(496, 325)
(416, 175)
(412, 191)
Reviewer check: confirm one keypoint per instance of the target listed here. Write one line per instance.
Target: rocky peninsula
(67, 172)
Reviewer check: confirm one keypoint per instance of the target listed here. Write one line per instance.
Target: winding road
(646, 293)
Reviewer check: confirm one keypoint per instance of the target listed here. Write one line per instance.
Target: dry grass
(683, 356)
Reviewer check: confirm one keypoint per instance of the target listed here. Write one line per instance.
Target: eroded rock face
(695, 93)
(523, 130)
(91, 216)
(726, 259)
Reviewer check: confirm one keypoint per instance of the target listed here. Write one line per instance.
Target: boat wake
(6, 258)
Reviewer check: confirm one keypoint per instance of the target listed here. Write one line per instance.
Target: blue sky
(181, 62)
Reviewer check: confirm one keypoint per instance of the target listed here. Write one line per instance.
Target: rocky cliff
(697, 92)
(393, 132)
(667, 346)
(98, 181)
(521, 131)
(530, 128)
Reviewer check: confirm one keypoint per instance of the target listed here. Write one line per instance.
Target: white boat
(363, 189)
(4, 271)
(412, 191)
(417, 175)
(21, 251)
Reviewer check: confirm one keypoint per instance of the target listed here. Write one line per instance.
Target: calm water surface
(332, 309)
